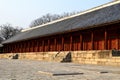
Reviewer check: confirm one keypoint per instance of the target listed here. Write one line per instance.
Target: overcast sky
(22, 12)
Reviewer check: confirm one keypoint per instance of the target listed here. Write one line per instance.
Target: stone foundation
(98, 57)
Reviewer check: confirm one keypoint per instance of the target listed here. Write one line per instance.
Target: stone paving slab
(61, 73)
(30, 70)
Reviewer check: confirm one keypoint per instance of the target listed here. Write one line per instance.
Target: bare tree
(7, 31)
(49, 17)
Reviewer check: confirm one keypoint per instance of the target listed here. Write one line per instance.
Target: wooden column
(14, 48)
(117, 40)
(71, 42)
(39, 45)
(33, 48)
(34, 45)
(22, 45)
(55, 44)
(62, 43)
(24, 48)
(48, 44)
(105, 42)
(19, 46)
(30, 44)
(81, 42)
(92, 40)
(42, 45)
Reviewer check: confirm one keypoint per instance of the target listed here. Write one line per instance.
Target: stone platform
(97, 57)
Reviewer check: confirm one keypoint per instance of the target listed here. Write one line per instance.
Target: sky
(22, 12)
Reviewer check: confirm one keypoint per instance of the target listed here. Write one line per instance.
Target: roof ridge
(81, 13)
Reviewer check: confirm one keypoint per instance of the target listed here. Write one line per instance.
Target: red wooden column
(32, 45)
(17, 47)
(71, 38)
(81, 42)
(37, 46)
(55, 44)
(20, 47)
(14, 48)
(23, 45)
(42, 45)
(25, 48)
(117, 41)
(105, 42)
(28, 46)
(62, 43)
(48, 44)
(92, 40)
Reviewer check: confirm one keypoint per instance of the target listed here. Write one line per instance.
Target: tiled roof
(98, 16)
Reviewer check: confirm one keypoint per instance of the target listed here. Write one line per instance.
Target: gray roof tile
(97, 17)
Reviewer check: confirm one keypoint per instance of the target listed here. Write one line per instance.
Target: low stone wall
(98, 57)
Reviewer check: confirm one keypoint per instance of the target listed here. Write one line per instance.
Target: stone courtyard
(39, 70)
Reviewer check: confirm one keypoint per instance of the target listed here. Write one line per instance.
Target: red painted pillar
(43, 46)
(81, 42)
(117, 41)
(48, 44)
(32, 45)
(62, 43)
(71, 42)
(105, 42)
(28, 46)
(92, 40)
(55, 47)
(37, 45)
(23, 45)
(19, 47)
(14, 48)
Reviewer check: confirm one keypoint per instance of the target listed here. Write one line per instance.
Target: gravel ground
(38, 70)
